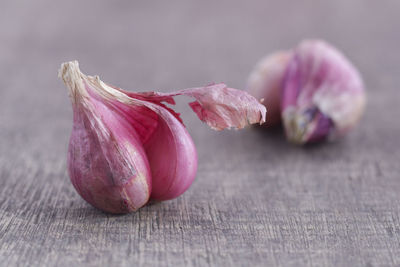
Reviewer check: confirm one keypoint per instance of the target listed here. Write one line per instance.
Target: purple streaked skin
(101, 164)
(323, 95)
(126, 148)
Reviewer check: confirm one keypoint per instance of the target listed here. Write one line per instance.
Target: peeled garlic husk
(323, 95)
(126, 148)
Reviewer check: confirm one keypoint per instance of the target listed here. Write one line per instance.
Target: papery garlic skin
(127, 147)
(265, 83)
(323, 95)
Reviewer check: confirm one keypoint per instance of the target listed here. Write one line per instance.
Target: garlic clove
(125, 146)
(323, 95)
(107, 163)
(173, 158)
(265, 82)
(171, 154)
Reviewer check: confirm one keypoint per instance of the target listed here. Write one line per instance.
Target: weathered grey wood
(257, 201)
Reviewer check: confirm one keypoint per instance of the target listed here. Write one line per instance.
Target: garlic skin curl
(128, 147)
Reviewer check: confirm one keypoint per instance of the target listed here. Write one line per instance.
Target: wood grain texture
(257, 201)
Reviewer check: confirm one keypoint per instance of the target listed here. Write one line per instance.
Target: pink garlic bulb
(323, 94)
(126, 148)
(314, 89)
(265, 83)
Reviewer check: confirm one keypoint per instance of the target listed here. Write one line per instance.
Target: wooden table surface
(257, 200)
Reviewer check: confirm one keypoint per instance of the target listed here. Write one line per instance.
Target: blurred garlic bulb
(323, 94)
(127, 147)
(320, 94)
